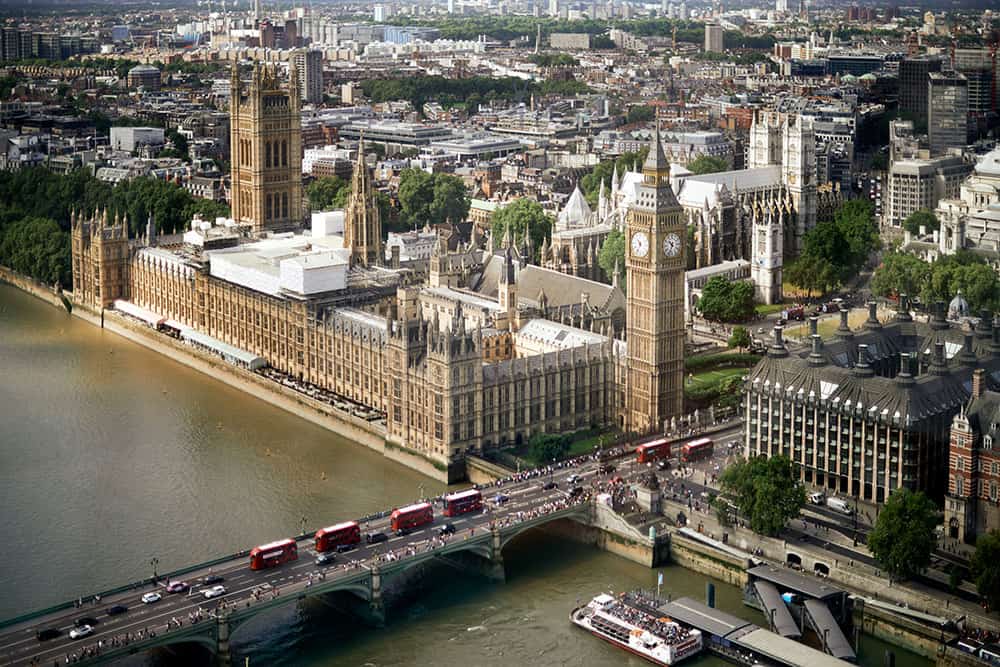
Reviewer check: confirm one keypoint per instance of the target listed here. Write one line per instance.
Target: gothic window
(267, 210)
(267, 154)
(284, 153)
(987, 442)
(284, 204)
(959, 486)
(993, 490)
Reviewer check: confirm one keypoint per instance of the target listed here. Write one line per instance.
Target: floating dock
(741, 641)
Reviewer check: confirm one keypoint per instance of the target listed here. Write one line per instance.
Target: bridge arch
(793, 560)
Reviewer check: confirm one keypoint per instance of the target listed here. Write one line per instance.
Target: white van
(840, 505)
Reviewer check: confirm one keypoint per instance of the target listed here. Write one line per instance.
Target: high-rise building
(655, 262)
(914, 75)
(781, 5)
(713, 37)
(309, 66)
(947, 111)
(266, 150)
(362, 224)
(979, 68)
(798, 172)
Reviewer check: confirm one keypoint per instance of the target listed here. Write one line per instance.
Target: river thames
(112, 456)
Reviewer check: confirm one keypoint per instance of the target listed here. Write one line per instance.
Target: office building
(947, 111)
(978, 66)
(309, 64)
(870, 411)
(914, 79)
(146, 77)
(713, 37)
(916, 184)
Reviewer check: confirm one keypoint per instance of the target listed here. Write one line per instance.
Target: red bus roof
(339, 526)
(654, 443)
(413, 508)
(275, 545)
(699, 442)
(460, 495)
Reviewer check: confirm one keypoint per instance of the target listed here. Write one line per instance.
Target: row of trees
(901, 273)
(768, 493)
(835, 250)
(470, 92)
(35, 206)
(523, 216)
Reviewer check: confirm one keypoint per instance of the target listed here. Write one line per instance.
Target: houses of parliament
(481, 349)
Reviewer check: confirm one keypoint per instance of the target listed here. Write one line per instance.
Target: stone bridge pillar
(223, 657)
(375, 606)
(496, 568)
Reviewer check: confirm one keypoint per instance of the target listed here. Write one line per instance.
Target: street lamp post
(153, 562)
(420, 490)
(302, 522)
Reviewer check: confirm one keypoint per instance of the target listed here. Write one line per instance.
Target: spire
(656, 160)
(614, 275)
(614, 182)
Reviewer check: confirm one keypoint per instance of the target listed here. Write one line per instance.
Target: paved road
(19, 645)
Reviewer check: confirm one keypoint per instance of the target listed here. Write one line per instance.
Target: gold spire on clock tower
(654, 261)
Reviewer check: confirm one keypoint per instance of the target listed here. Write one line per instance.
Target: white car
(150, 598)
(81, 632)
(214, 592)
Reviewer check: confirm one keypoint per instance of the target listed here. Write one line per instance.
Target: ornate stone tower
(654, 260)
(766, 256)
(266, 150)
(100, 253)
(507, 292)
(798, 173)
(362, 224)
(765, 141)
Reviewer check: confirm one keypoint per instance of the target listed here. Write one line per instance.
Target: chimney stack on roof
(872, 321)
(778, 348)
(844, 330)
(905, 376)
(984, 328)
(862, 369)
(977, 383)
(903, 310)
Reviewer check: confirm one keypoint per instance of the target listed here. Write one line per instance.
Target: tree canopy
(834, 251)
(903, 537)
(985, 568)
(523, 214)
(548, 447)
(941, 280)
(922, 218)
(42, 200)
(37, 247)
(640, 113)
(723, 300)
(767, 491)
(707, 164)
(611, 256)
(432, 199)
(328, 192)
(740, 338)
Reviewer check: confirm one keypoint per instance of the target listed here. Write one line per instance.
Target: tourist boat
(618, 621)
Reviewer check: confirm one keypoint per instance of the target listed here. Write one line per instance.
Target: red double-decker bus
(412, 516)
(332, 537)
(273, 554)
(697, 449)
(462, 502)
(653, 451)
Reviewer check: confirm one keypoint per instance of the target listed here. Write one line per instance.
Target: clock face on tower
(640, 244)
(672, 245)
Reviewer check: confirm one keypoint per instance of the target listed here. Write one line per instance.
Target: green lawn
(584, 444)
(712, 378)
(764, 310)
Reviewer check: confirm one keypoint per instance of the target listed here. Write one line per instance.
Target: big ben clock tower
(654, 261)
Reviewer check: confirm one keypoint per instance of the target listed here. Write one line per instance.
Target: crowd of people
(669, 632)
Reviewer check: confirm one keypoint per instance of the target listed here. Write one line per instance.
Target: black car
(605, 468)
(85, 620)
(375, 538)
(213, 579)
(576, 491)
(549, 486)
(344, 548)
(47, 633)
(326, 559)
(117, 609)
(447, 529)
(402, 532)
